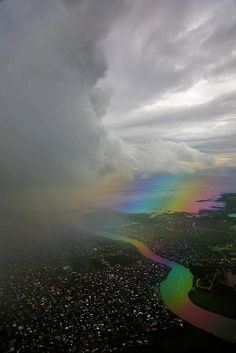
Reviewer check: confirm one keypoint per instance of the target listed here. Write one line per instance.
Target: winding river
(174, 291)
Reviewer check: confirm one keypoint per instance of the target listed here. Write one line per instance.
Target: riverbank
(220, 300)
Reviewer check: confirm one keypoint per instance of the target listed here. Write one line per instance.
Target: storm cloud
(77, 76)
(50, 64)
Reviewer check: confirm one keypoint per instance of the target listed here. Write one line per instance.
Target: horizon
(118, 176)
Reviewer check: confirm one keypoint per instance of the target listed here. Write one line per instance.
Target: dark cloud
(50, 63)
(55, 57)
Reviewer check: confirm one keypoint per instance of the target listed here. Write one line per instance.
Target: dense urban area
(84, 293)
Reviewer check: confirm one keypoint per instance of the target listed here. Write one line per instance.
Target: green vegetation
(220, 300)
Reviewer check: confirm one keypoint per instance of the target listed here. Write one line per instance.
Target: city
(85, 290)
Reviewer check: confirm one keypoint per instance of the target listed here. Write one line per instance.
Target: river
(174, 291)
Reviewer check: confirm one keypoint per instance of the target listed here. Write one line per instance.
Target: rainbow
(172, 193)
(174, 291)
(157, 194)
(176, 194)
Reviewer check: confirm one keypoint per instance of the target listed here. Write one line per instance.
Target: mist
(52, 105)
(117, 174)
(53, 141)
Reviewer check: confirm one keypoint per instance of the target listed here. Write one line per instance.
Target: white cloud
(171, 67)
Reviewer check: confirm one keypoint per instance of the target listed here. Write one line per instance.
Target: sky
(91, 89)
(172, 69)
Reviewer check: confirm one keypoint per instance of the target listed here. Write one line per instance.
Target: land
(220, 299)
(75, 292)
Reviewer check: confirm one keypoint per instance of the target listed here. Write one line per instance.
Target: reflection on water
(168, 193)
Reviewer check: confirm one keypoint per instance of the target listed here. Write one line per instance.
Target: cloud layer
(172, 67)
(66, 64)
